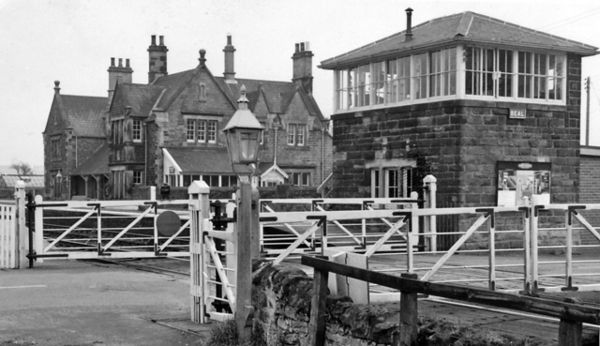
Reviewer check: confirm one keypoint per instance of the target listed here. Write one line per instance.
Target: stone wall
(282, 297)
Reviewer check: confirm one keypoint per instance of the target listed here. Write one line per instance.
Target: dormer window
(201, 129)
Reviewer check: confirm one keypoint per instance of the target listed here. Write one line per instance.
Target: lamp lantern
(243, 135)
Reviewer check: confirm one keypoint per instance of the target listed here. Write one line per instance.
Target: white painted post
(415, 219)
(534, 248)
(569, 249)
(21, 230)
(200, 210)
(230, 257)
(527, 285)
(39, 228)
(430, 183)
(153, 193)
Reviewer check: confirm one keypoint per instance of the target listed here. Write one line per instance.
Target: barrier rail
(571, 316)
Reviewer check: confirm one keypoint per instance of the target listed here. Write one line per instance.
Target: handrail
(571, 315)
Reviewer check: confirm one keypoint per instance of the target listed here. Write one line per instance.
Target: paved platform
(87, 303)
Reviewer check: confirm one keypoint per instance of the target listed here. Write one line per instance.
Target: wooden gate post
(318, 309)
(21, 230)
(569, 333)
(199, 209)
(408, 315)
(243, 269)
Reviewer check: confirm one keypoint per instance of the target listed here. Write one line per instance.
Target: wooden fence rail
(571, 316)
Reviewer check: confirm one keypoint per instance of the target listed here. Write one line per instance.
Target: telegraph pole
(588, 83)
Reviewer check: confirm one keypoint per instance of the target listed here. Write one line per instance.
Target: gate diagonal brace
(489, 212)
(315, 203)
(573, 211)
(407, 218)
(322, 223)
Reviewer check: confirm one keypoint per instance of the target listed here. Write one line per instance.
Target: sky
(73, 41)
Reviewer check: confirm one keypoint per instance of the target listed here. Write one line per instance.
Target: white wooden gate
(8, 235)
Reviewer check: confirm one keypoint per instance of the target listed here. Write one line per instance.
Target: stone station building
(168, 131)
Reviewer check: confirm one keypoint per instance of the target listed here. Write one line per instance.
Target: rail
(572, 316)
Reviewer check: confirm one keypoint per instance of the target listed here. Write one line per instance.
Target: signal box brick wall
(589, 190)
(589, 186)
(462, 140)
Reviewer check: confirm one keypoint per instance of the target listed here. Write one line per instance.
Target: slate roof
(277, 94)
(96, 164)
(201, 161)
(460, 27)
(32, 181)
(84, 114)
(140, 97)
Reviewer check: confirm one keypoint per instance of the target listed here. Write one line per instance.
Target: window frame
(501, 73)
(297, 134)
(392, 181)
(136, 128)
(138, 177)
(201, 129)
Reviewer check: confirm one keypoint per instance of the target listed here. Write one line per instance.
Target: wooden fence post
(318, 309)
(408, 315)
(199, 209)
(569, 333)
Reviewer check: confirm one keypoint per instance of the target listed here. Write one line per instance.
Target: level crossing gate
(107, 229)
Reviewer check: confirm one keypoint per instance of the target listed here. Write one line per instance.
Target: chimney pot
(408, 34)
(57, 86)
(112, 62)
(120, 62)
(157, 59)
(297, 47)
(229, 71)
(127, 63)
(202, 58)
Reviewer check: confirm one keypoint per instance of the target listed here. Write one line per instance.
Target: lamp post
(242, 133)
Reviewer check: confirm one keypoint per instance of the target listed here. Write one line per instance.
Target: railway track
(172, 266)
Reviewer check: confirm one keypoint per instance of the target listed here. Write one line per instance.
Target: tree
(22, 169)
